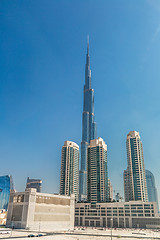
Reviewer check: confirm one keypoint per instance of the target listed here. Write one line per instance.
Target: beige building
(40, 211)
(133, 214)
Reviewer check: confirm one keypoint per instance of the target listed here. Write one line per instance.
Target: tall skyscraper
(151, 188)
(135, 187)
(88, 126)
(127, 194)
(69, 180)
(34, 183)
(110, 190)
(6, 184)
(97, 174)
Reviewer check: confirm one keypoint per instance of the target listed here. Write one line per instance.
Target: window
(127, 214)
(147, 215)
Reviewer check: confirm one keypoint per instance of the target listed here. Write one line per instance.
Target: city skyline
(42, 77)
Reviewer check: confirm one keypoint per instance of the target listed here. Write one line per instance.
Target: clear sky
(42, 48)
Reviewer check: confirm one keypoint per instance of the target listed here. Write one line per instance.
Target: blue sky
(42, 49)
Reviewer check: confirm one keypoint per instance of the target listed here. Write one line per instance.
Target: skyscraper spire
(87, 44)
(87, 56)
(88, 125)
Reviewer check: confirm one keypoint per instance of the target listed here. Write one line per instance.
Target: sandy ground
(87, 234)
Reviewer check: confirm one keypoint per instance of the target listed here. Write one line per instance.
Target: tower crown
(71, 144)
(98, 142)
(133, 134)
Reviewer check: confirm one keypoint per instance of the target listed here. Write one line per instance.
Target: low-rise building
(3, 216)
(133, 214)
(40, 211)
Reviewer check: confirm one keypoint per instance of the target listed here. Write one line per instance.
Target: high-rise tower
(97, 172)
(88, 126)
(69, 181)
(34, 183)
(151, 188)
(135, 187)
(110, 190)
(6, 184)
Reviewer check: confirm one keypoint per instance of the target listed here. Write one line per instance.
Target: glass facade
(6, 184)
(151, 188)
(88, 126)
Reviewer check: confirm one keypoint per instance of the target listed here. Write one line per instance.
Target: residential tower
(69, 180)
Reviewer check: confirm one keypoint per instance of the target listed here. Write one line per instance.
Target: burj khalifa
(88, 126)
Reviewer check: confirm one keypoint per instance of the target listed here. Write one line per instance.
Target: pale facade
(69, 179)
(135, 187)
(133, 214)
(39, 211)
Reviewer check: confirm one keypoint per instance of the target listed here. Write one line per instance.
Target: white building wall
(41, 212)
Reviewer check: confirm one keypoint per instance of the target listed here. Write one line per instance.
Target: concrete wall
(41, 212)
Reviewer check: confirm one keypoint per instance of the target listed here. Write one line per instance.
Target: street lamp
(12, 225)
(111, 227)
(39, 226)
